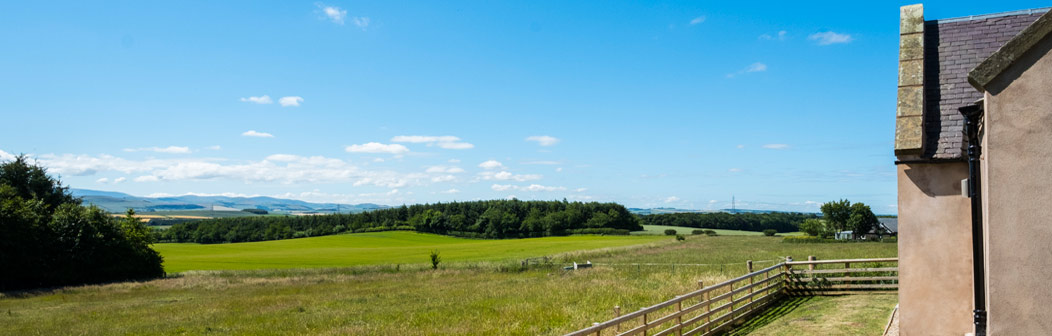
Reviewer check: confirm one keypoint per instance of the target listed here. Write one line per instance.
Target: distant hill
(119, 202)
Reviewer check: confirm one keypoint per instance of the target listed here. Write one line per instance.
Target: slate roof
(952, 48)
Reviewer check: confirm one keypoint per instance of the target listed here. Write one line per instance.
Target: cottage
(973, 141)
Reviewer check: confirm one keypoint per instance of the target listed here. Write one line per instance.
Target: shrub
(680, 237)
(769, 232)
(892, 240)
(670, 232)
(808, 240)
(435, 259)
(711, 233)
(697, 232)
(601, 231)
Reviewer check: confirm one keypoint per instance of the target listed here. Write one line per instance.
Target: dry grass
(471, 298)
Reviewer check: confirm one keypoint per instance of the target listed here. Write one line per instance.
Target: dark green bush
(48, 239)
(711, 233)
(697, 232)
(680, 237)
(769, 232)
(670, 232)
(601, 231)
(892, 240)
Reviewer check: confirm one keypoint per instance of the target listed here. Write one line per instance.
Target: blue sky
(678, 104)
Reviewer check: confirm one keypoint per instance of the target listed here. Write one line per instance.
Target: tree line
(478, 219)
(48, 239)
(778, 221)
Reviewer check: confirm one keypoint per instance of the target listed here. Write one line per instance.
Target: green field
(375, 248)
(460, 298)
(660, 230)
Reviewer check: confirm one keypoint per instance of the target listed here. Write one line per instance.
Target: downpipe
(972, 114)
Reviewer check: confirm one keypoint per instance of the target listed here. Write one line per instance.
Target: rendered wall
(935, 251)
(1018, 195)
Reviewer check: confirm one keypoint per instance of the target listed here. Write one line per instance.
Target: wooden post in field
(645, 323)
(811, 267)
(679, 318)
(847, 275)
(788, 273)
(597, 332)
(748, 264)
(708, 305)
(617, 313)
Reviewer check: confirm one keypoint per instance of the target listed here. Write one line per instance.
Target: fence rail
(838, 276)
(709, 310)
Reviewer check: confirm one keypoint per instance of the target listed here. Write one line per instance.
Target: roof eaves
(1004, 57)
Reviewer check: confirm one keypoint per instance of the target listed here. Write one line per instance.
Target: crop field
(483, 297)
(374, 248)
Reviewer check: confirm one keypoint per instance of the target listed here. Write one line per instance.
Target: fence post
(847, 275)
(748, 264)
(617, 313)
(811, 267)
(679, 318)
(708, 306)
(788, 274)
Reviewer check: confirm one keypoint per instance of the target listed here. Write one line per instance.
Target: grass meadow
(482, 297)
(660, 230)
(374, 248)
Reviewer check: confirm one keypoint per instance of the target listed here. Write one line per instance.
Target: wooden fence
(818, 277)
(713, 309)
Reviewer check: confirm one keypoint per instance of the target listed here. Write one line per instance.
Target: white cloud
(361, 22)
(444, 141)
(290, 101)
(454, 160)
(779, 36)
(532, 187)
(776, 146)
(5, 156)
(542, 162)
(505, 176)
(491, 164)
(264, 99)
(444, 169)
(740, 146)
(147, 178)
(697, 20)
(169, 149)
(253, 133)
(544, 140)
(827, 38)
(455, 145)
(333, 13)
(443, 178)
(376, 147)
(671, 199)
(119, 180)
(216, 147)
(755, 67)
(451, 191)
(279, 168)
(102, 180)
(559, 170)
(735, 170)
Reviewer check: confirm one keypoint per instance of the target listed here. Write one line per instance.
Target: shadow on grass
(778, 310)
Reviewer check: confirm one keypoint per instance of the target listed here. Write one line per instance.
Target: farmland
(660, 230)
(375, 248)
(484, 297)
